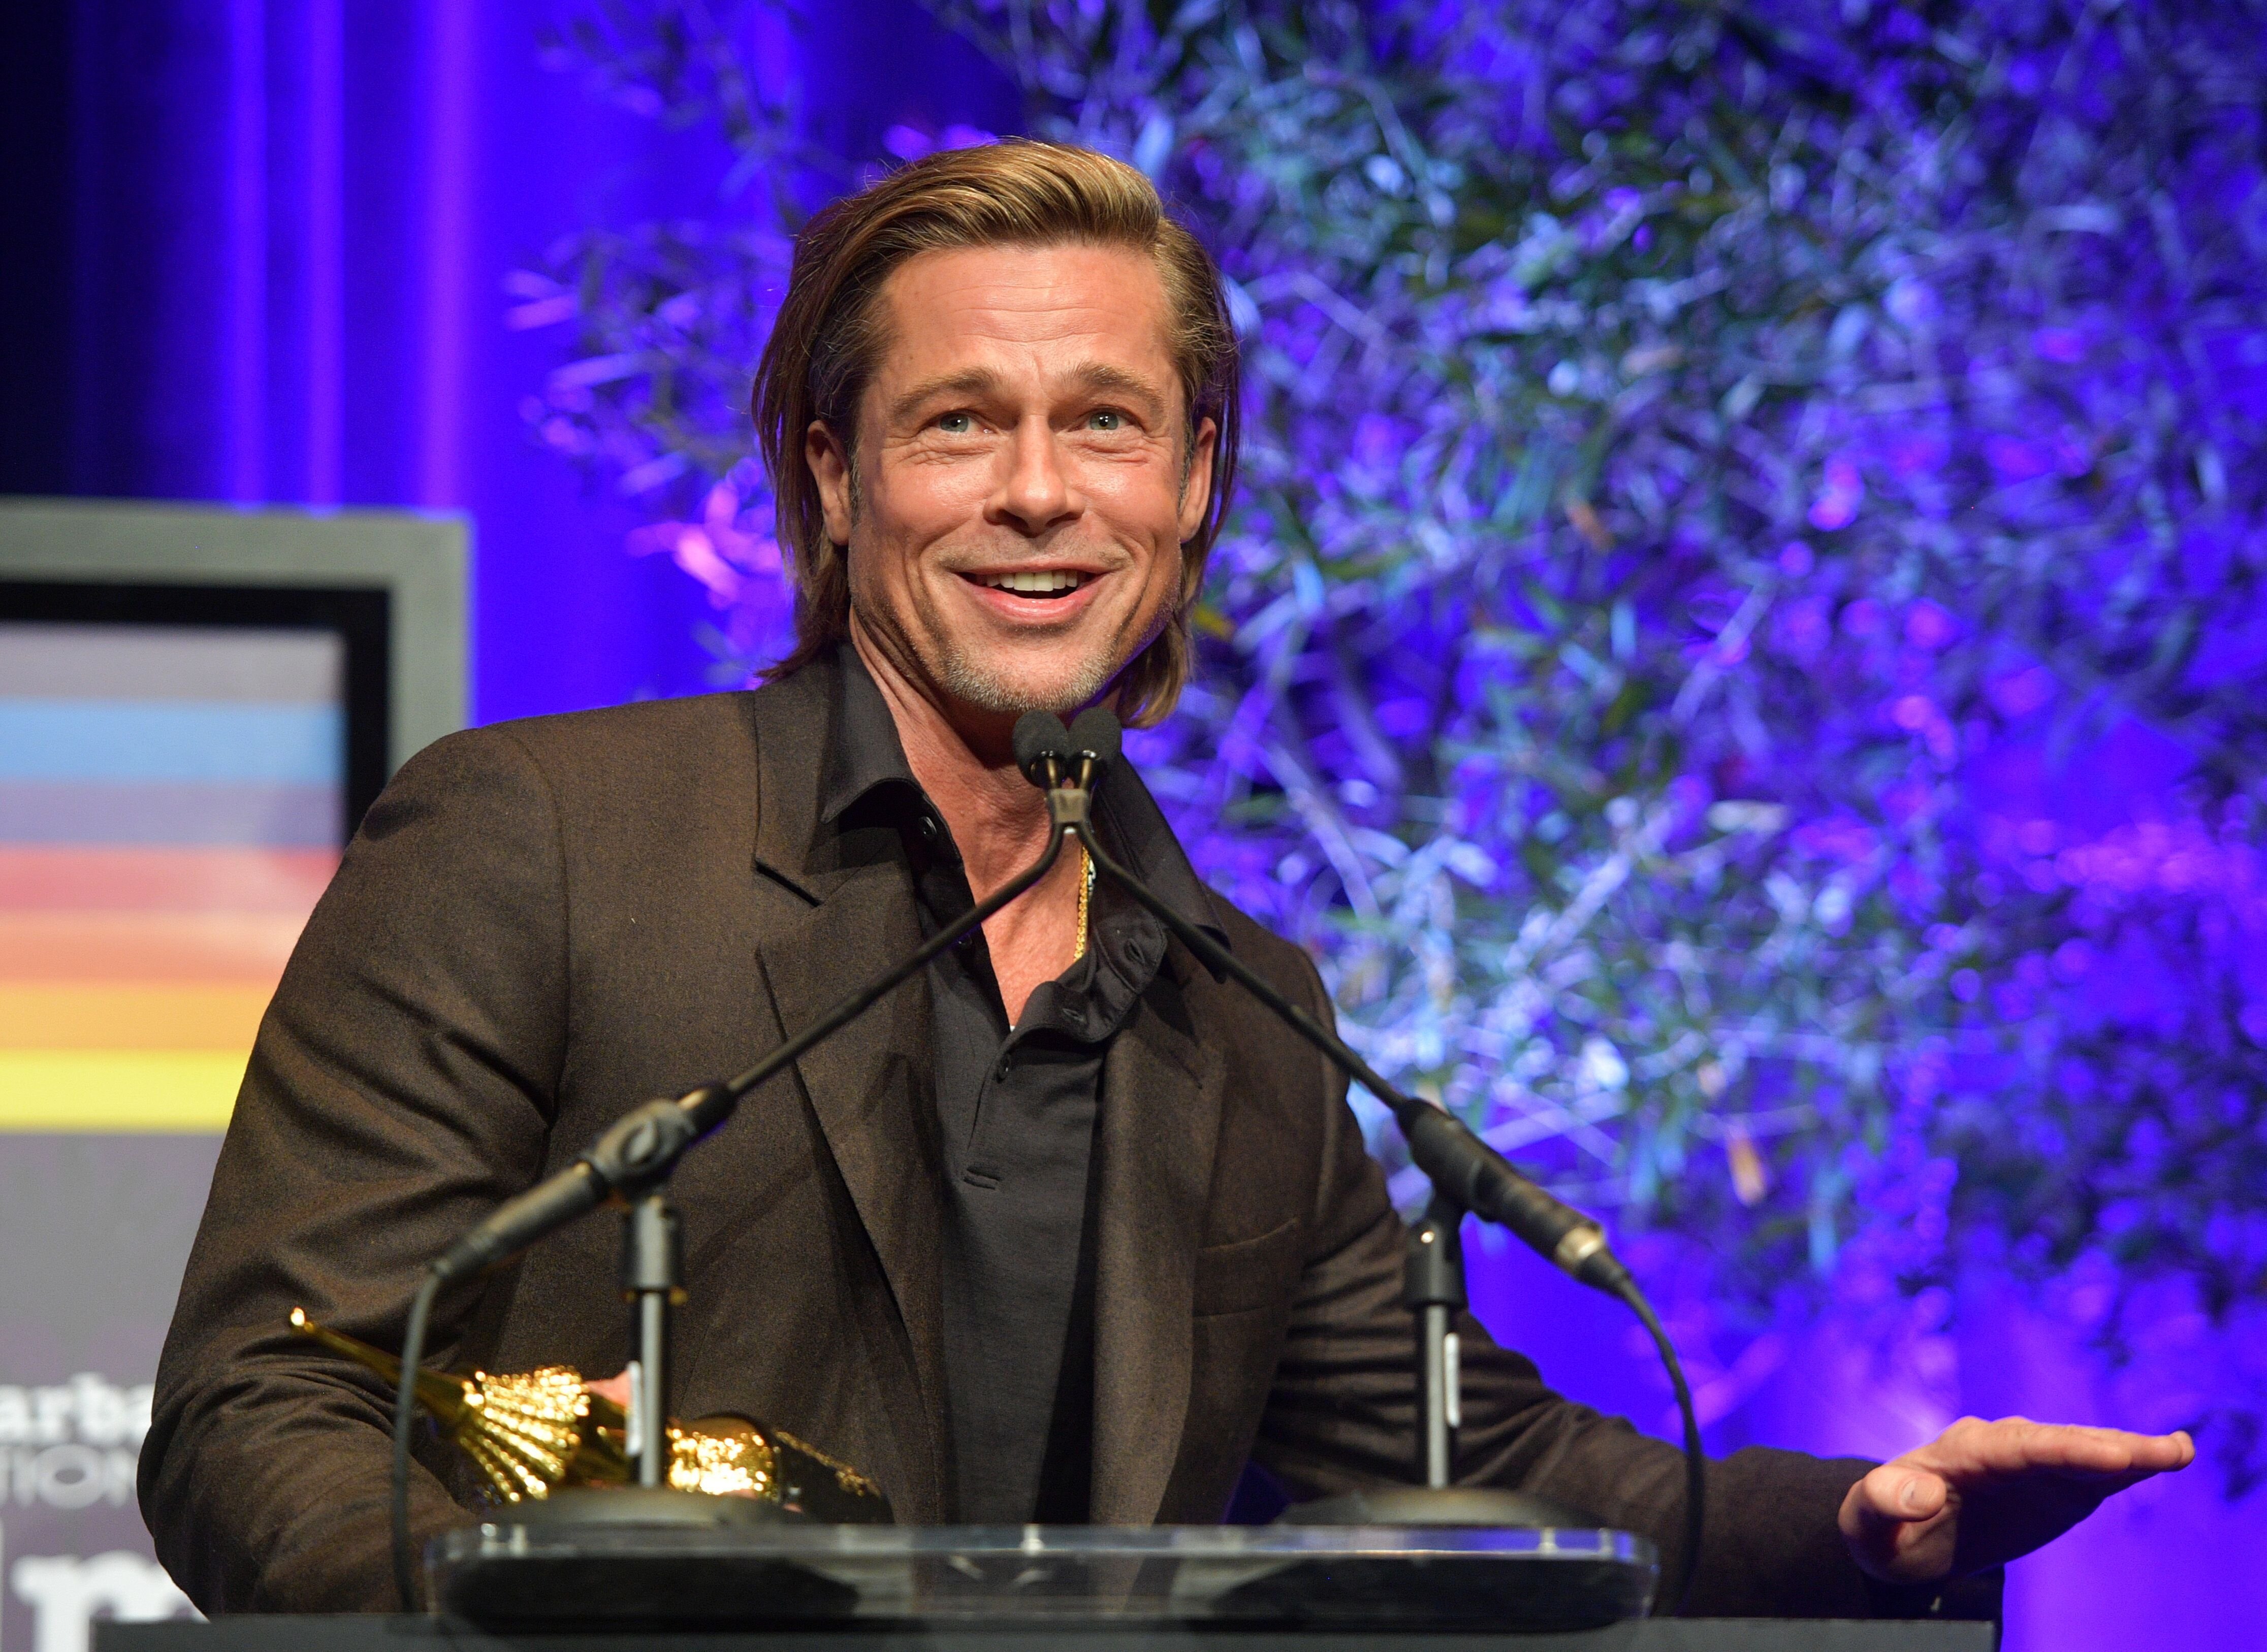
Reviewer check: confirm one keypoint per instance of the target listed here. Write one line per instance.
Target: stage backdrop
(1739, 646)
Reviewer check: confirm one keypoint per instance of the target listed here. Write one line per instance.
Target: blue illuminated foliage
(1741, 643)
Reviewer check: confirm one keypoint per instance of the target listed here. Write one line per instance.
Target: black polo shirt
(1017, 1108)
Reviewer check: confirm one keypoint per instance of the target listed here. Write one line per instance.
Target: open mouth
(1039, 585)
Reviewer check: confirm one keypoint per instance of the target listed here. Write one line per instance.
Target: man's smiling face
(1024, 476)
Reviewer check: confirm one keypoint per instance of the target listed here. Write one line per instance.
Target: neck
(965, 760)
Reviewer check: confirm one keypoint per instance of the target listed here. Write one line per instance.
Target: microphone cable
(405, 1418)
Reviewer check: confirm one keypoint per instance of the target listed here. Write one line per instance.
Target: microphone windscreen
(1039, 736)
(1097, 733)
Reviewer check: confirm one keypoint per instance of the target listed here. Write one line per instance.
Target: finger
(2157, 1454)
(2161, 1452)
(1972, 1447)
(1898, 1522)
(2114, 1450)
(615, 1388)
(1899, 1493)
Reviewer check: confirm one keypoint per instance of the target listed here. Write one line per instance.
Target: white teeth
(1037, 582)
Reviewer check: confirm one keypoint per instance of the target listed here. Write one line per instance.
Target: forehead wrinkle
(890, 319)
(969, 381)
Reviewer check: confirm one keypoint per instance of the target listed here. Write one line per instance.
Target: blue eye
(1107, 419)
(956, 424)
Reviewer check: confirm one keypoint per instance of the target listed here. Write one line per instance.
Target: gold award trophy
(531, 1432)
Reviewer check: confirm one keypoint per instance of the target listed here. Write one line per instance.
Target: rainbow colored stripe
(169, 807)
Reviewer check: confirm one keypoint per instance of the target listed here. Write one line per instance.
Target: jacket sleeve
(400, 1085)
(1342, 1415)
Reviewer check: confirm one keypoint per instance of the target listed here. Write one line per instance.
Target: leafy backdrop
(1741, 641)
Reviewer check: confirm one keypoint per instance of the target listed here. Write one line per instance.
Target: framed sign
(196, 707)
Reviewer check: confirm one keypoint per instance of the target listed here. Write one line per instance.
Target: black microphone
(1040, 738)
(1482, 1180)
(1097, 738)
(1459, 1164)
(1079, 753)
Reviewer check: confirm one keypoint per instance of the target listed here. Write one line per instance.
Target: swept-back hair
(831, 330)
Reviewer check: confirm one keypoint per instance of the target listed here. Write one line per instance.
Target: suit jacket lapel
(868, 1085)
(1161, 1101)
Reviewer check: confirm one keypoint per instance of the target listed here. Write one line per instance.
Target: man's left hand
(1981, 1493)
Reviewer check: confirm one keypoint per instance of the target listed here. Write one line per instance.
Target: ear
(830, 468)
(1196, 488)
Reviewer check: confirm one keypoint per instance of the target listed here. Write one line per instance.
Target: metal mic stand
(653, 1282)
(1433, 1287)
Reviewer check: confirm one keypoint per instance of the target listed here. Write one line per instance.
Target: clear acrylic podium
(790, 1587)
(797, 1575)
(786, 1588)
(505, 1587)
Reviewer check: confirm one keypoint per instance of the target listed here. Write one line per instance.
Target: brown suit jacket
(543, 924)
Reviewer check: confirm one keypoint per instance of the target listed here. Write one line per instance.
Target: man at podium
(1065, 1229)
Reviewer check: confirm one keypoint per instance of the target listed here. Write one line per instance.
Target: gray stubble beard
(969, 679)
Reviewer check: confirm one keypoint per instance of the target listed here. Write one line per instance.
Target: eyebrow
(979, 382)
(1102, 376)
(973, 382)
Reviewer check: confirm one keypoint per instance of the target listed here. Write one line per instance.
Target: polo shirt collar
(866, 757)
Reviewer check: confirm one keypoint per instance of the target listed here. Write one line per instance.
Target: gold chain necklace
(1085, 900)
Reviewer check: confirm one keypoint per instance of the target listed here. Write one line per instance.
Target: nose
(1036, 493)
